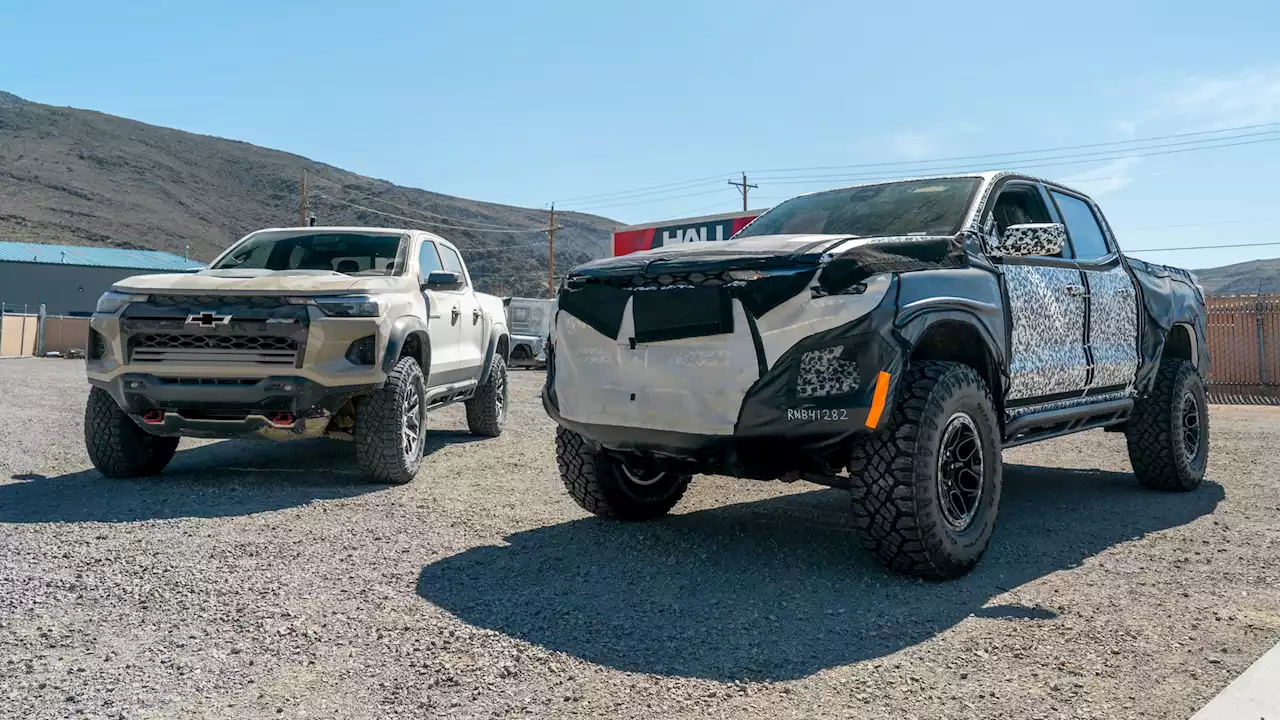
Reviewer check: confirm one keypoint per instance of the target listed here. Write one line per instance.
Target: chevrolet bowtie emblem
(208, 319)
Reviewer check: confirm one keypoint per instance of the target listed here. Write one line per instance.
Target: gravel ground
(270, 581)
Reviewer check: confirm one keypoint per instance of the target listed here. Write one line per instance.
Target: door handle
(456, 313)
(1075, 290)
(475, 315)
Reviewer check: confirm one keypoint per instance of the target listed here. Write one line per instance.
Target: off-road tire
(1155, 430)
(897, 495)
(596, 481)
(117, 446)
(380, 424)
(487, 409)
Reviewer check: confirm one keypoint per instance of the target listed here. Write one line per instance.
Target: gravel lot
(270, 581)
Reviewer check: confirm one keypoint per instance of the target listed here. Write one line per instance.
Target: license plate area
(662, 315)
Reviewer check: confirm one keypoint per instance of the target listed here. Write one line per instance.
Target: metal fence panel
(1244, 349)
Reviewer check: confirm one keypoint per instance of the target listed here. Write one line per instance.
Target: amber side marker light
(877, 400)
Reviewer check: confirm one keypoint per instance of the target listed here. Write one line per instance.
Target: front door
(442, 326)
(473, 329)
(1113, 301)
(1045, 297)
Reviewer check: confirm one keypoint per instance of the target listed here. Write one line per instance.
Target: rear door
(473, 333)
(1045, 297)
(441, 325)
(1112, 327)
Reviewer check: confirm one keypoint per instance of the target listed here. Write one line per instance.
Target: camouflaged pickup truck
(890, 339)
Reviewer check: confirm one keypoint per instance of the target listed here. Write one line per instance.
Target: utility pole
(743, 187)
(302, 201)
(551, 252)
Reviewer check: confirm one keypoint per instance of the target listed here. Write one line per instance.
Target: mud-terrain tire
(604, 486)
(385, 423)
(923, 502)
(487, 409)
(1168, 433)
(117, 446)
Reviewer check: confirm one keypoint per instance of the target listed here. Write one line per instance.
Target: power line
(1209, 223)
(961, 169)
(642, 191)
(426, 222)
(1202, 247)
(479, 226)
(743, 187)
(900, 163)
(642, 202)
(604, 200)
(1034, 162)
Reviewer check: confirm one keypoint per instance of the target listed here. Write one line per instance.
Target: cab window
(428, 259)
(1018, 205)
(1082, 226)
(452, 261)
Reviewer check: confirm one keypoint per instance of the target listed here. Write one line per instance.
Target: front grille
(640, 281)
(209, 381)
(183, 348)
(205, 301)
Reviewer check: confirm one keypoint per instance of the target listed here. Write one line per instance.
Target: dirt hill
(78, 177)
(1246, 278)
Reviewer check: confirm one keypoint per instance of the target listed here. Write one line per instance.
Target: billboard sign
(634, 238)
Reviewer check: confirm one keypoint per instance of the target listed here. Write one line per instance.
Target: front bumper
(319, 343)
(681, 400)
(229, 407)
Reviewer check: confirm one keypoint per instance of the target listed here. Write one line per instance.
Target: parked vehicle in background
(890, 339)
(530, 322)
(349, 332)
(635, 238)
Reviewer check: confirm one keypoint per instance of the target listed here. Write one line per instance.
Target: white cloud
(1249, 97)
(1107, 178)
(911, 145)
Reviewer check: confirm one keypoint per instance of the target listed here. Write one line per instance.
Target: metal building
(69, 279)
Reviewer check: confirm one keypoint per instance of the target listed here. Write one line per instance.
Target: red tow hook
(281, 419)
(154, 417)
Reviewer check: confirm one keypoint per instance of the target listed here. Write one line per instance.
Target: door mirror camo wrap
(1032, 239)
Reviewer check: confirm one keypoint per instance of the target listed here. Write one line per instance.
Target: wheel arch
(956, 335)
(499, 345)
(408, 336)
(1182, 343)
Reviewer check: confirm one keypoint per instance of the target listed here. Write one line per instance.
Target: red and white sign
(634, 238)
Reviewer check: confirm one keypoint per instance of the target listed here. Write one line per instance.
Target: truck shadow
(779, 589)
(222, 479)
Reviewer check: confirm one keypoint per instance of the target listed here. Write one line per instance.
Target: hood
(749, 252)
(256, 282)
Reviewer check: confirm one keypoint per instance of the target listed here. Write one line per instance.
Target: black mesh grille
(197, 301)
(210, 381)
(640, 281)
(166, 341)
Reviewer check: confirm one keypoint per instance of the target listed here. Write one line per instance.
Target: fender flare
(401, 329)
(495, 334)
(915, 324)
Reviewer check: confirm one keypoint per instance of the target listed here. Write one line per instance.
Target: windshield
(346, 253)
(918, 207)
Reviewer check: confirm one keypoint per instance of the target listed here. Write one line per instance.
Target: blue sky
(526, 103)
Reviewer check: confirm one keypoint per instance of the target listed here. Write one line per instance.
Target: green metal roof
(94, 257)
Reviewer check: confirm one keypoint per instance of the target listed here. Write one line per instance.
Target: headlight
(112, 301)
(344, 305)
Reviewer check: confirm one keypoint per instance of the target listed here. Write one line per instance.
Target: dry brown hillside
(79, 177)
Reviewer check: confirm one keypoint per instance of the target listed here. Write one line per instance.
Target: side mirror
(1032, 239)
(443, 280)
